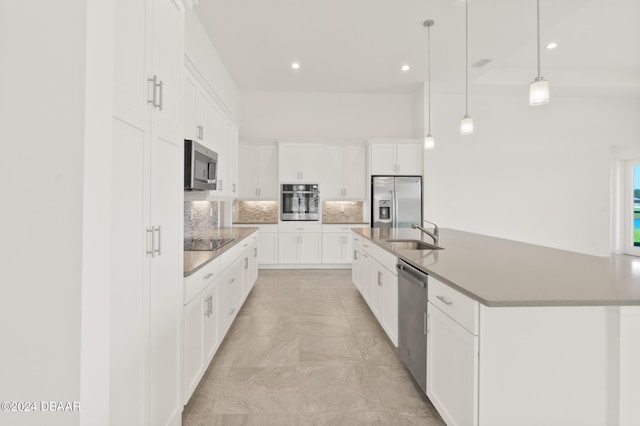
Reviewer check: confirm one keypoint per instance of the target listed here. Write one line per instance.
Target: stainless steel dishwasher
(412, 317)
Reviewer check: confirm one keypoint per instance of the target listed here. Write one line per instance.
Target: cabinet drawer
(456, 305)
(385, 258)
(342, 228)
(230, 283)
(300, 226)
(357, 239)
(196, 282)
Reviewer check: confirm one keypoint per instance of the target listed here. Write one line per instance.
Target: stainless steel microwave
(200, 167)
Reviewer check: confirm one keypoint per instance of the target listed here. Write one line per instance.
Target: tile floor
(306, 350)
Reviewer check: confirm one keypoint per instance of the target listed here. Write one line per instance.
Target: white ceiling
(360, 45)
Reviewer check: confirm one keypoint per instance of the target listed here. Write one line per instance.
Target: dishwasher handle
(412, 275)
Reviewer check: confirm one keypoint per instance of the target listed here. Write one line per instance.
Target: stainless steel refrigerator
(396, 201)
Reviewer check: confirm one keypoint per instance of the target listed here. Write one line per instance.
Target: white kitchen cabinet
(303, 248)
(357, 260)
(229, 295)
(258, 177)
(299, 162)
(268, 248)
(336, 248)
(396, 158)
(145, 340)
(343, 172)
(452, 368)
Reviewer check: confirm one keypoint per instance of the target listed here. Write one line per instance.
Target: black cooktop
(207, 245)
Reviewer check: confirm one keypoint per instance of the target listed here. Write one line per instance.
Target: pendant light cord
(429, 68)
(538, 31)
(466, 57)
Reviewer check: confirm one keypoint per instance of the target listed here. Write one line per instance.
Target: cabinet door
(383, 159)
(193, 352)
(210, 337)
(310, 248)
(355, 266)
(232, 162)
(288, 247)
(289, 162)
(167, 58)
(452, 368)
(377, 292)
(409, 159)
(367, 277)
(390, 305)
(354, 177)
(268, 248)
(190, 130)
(333, 248)
(204, 119)
(249, 170)
(332, 170)
(267, 181)
(310, 155)
(253, 265)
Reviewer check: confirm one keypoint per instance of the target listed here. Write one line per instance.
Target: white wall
(42, 86)
(200, 50)
(268, 115)
(535, 174)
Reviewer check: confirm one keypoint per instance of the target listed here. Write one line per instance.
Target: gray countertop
(194, 260)
(499, 272)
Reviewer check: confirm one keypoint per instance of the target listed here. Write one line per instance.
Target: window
(632, 207)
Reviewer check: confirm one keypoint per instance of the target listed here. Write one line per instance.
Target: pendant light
(466, 124)
(429, 142)
(539, 89)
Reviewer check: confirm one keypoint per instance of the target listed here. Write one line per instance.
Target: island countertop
(500, 272)
(194, 260)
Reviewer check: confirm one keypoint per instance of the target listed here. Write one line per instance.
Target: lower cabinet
(302, 248)
(268, 248)
(452, 368)
(209, 312)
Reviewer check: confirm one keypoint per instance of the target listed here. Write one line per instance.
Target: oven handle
(300, 192)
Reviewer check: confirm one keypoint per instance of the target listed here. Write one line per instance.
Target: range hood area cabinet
(299, 162)
(146, 209)
(393, 157)
(258, 179)
(207, 124)
(343, 172)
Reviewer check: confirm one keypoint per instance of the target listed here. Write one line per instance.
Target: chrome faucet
(435, 234)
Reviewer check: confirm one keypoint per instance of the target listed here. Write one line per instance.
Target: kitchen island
(524, 334)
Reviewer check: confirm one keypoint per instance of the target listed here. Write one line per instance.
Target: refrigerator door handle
(394, 214)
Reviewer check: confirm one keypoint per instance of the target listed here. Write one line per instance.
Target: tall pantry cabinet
(147, 201)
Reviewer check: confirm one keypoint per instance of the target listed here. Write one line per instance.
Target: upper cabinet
(299, 162)
(258, 172)
(402, 158)
(343, 172)
(206, 123)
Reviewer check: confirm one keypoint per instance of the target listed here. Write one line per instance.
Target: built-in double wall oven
(300, 202)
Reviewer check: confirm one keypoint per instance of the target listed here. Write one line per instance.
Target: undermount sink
(412, 245)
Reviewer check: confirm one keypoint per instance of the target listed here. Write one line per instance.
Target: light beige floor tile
(341, 418)
(377, 350)
(270, 307)
(257, 419)
(261, 326)
(325, 325)
(269, 351)
(334, 388)
(363, 325)
(258, 390)
(320, 307)
(322, 351)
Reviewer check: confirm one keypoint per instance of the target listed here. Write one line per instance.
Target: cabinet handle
(299, 229)
(355, 255)
(245, 245)
(426, 323)
(209, 275)
(366, 246)
(232, 311)
(154, 84)
(444, 300)
(159, 249)
(259, 191)
(150, 242)
(232, 280)
(210, 305)
(255, 252)
(380, 278)
(161, 87)
(233, 188)
(246, 263)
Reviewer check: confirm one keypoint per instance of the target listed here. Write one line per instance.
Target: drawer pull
(209, 275)
(444, 300)
(232, 311)
(232, 280)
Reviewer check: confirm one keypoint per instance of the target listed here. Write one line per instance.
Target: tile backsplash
(255, 212)
(201, 218)
(342, 211)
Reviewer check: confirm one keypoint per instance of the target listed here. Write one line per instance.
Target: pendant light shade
(466, 124)
(539, 89)
(429, 142)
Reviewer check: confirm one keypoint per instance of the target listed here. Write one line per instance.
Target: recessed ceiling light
(295, 66)
(405, 68)
(552, 45)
